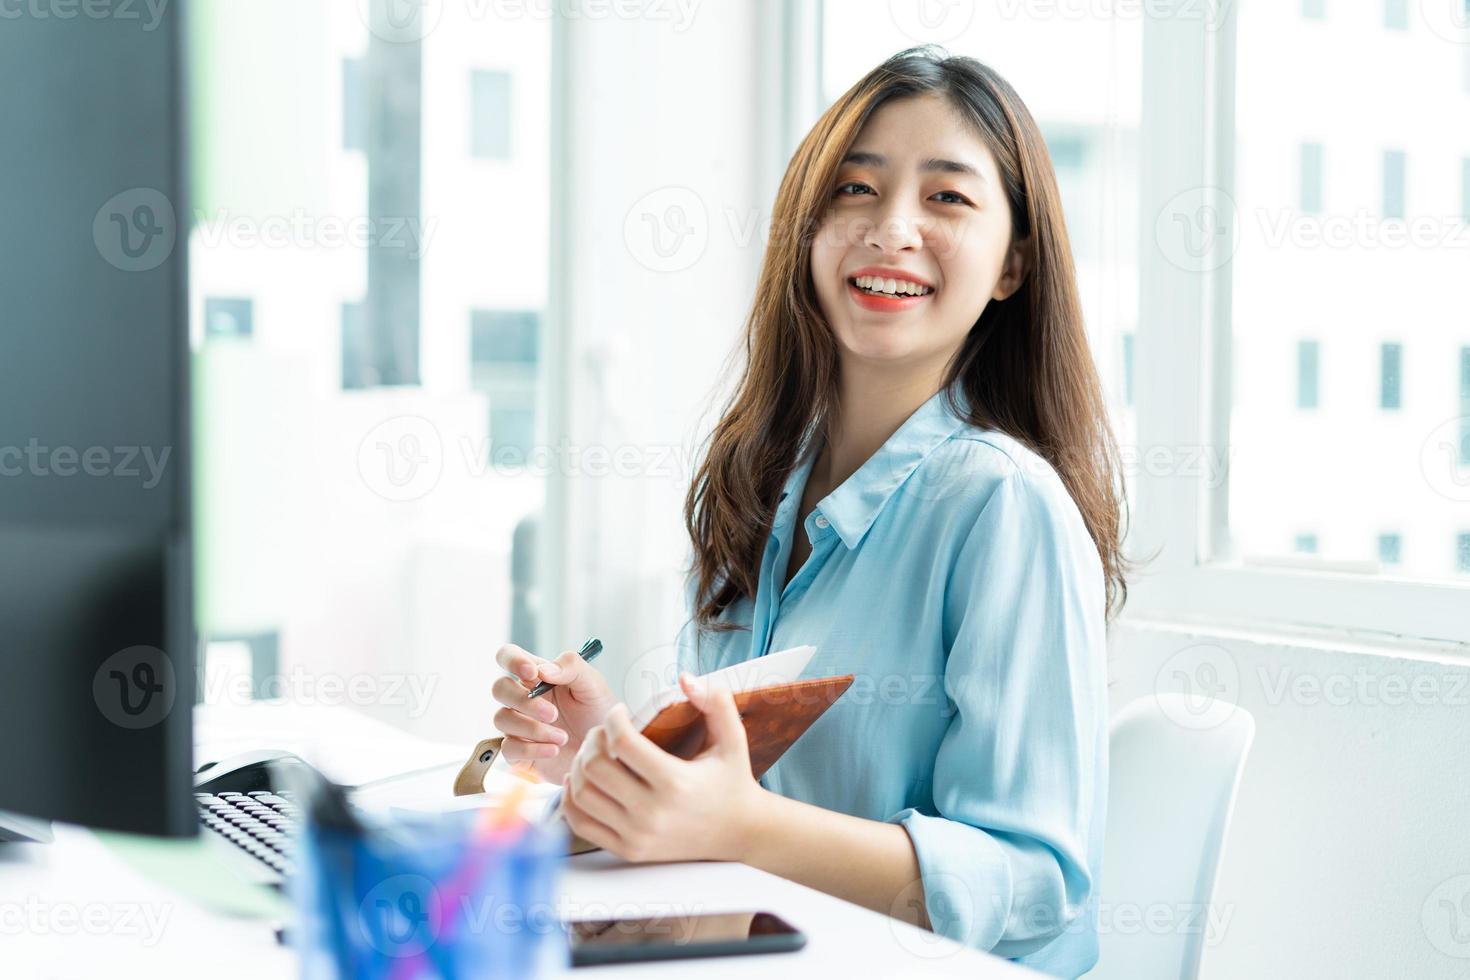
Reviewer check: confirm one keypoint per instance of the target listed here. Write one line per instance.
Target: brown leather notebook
(774, 715)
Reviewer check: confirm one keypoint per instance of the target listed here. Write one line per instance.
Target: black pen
(588, 653)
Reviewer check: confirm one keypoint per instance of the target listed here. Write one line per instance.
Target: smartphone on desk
(674, 937)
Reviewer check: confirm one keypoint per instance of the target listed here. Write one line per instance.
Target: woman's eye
(855, 188)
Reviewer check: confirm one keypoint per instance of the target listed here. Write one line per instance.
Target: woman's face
(918, 206)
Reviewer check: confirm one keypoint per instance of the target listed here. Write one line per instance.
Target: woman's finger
(617, 781)
(721, 717)
(521, 750)
(632, 748)
(518, 662)
(594, 802)
(588, 828)
(594, 743)
(581, 679)
(511, 693)
(509, 722)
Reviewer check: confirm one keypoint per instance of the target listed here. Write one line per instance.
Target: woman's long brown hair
(1025, 366)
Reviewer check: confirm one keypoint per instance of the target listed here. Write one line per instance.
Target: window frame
(1183, 385)
(484, 146)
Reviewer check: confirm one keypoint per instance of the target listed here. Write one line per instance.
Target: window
(512, 429)
(1462, 552)
(1396, 15)
(1390, 368)
(1393, 183)
(1465, 185)
(363, 292)
(490, 115)
(1284, 287)
(1305, 544)
(1463, 456)
(498, 337)
(505, 350)
(1390, 548)
(1306, 373)
(1314, 9)
(1311, 178)
(232, 317)
(358, 370)
(354, 105)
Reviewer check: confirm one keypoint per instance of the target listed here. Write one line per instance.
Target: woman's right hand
(547, 731)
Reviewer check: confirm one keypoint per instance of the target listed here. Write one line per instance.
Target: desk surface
(75, 909)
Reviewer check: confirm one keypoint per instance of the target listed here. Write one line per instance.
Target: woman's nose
(894, 229)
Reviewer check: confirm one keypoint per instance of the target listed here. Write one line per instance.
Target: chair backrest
(1173, 773)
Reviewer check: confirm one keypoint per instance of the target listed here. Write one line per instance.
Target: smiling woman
(916, 476)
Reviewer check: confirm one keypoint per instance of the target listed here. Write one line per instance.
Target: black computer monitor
(96, 638)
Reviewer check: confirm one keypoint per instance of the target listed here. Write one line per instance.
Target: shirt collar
(854, 506)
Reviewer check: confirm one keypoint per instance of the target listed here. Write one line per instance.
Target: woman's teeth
(878, 286)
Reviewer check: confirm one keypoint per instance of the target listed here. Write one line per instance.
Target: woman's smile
(884, 290)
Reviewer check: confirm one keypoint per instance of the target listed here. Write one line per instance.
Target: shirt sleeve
(1021, 774)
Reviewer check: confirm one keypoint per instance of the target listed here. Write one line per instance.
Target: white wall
(1351, 825)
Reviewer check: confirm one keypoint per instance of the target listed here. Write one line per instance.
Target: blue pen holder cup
(429, 897)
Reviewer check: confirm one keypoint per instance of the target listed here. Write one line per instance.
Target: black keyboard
(261, 823)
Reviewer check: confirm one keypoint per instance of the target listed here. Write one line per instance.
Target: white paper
(773, 669)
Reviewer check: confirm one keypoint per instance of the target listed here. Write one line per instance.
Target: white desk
(73, 909)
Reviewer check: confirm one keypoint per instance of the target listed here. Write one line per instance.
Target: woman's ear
(1013, 273)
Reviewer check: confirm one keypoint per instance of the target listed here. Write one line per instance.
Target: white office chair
(1174, 771)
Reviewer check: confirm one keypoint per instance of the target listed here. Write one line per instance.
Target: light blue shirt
(953, 575)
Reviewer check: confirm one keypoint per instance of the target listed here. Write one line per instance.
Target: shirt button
(822, 522)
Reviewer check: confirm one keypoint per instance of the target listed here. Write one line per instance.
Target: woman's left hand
(630, 797)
